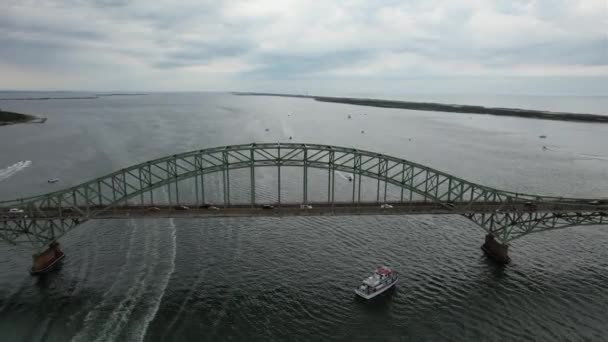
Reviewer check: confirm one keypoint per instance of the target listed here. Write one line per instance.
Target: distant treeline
(7, 118)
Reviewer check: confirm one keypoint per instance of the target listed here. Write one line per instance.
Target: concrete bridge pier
(496, 250)
(47, 259)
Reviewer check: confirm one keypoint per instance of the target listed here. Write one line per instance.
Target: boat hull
(48, 267)
(376, 293)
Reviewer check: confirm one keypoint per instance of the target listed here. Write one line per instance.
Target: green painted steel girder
(49, 216)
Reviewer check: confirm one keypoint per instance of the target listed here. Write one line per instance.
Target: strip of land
(452, 108)
(11, 118)
(91, 97)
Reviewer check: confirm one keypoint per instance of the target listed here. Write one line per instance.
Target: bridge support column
(47, 259)
(496, 250)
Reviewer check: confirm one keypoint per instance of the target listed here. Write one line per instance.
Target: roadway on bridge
(315, 209)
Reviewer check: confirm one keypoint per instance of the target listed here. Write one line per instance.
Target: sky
(306, 46)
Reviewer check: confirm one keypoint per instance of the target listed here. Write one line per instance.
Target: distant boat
(290, 137)
(267, 129)
(362, 131)
(350, 178)
(542, 136)
(349, 116)
(53, 180)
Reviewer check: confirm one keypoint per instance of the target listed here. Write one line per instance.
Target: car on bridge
(530, 206)
(386, 206)
(267, 206)
(15, 212)
(305, 206)
(181, 207)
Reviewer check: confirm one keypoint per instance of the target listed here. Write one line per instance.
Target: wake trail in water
(163, 283)
(185, 302)
(587, 156)
(93, 316)
(344, 175)
(593, 156)
(13, 169)
(121, 313)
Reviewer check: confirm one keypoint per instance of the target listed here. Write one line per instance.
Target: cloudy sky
(380, 46)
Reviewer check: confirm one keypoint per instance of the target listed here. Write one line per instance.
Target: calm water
(292, 278)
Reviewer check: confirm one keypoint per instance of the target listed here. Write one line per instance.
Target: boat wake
(11, 170)
(117, 320)
(160, 293)
(593, 156)
(345, 176)
(95, 315)
(576, 155)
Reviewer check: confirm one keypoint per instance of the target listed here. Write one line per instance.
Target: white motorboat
(53, 180)
(380, 281)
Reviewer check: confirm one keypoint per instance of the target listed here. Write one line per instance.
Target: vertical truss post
(329, 178)
(333, 185)
(402, 180)
(355, 174)
(176, 191)
(378, 184)
(196, 189)
(411, 175)
(141, 186)
(305, 185)
(169, 184)
(224, 179)
(385, 178)
(124, 187)
(202, 182)
(86, 195)
(177, 201)
(426, 186)
(227, 178)
(150, 184)
(98, 193)
(113, 189)
(450, 189)
(252, 175)
(197, 167)
(279, 173)
(359, 183)
(461, 197)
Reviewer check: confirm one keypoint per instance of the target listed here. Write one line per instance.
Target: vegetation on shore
(441, 107)
(9, 118)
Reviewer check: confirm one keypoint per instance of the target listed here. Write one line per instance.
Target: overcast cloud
(512, 46)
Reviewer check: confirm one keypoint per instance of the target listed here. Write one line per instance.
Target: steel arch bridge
(130, 192)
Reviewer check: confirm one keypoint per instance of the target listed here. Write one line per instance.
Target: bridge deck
(318, 209)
